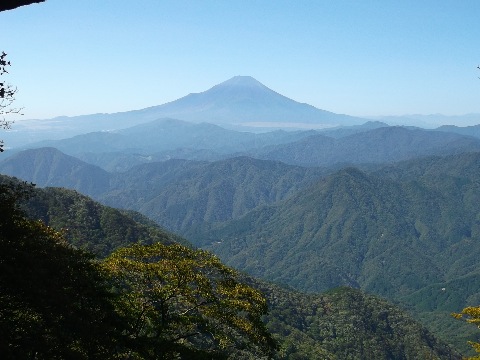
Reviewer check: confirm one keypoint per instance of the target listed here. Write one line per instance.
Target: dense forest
(108, 306)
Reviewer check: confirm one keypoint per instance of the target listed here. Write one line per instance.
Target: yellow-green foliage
(184, 301)
(471, 315)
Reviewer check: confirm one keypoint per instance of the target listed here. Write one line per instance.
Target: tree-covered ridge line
(294, 319)
(178, 194)
(97, 228)
(89, 225)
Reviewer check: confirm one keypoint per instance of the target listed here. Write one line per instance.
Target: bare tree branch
(7, 97)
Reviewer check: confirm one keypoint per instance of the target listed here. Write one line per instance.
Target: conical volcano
(242, 100)
(239, 101)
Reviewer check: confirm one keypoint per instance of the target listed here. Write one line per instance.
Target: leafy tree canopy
(184, 302)
(471, 314)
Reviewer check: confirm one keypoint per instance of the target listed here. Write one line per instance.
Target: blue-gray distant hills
(165, 139)
(380, 145)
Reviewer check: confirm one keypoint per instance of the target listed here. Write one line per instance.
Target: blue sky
(384, 57)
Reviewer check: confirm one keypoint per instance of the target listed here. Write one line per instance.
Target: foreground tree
(54, 302)
(184, 303)
(471, 315)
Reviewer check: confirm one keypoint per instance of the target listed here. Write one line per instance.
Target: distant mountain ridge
(379, 145)
(473, 130)
(156, 140)
(163, 139)
(51, 167)
(432, 120)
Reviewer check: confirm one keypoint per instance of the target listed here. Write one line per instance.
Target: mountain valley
(344, 214)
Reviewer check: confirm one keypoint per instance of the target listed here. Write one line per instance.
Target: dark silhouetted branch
(13, 4)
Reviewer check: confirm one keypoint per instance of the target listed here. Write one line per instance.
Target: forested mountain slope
(407, 232)
(347, 324)
(344, 324)
(194, 194)
(91, 226)
(386, 236)
(341, 231)
(51, 167)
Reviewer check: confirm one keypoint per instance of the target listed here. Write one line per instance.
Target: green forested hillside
(345, 324)
(408, 232)
(91, 226)
(344, 229)
(58, 302)
(53, 302)
(390, 234)
(178, 194)
(183, 195)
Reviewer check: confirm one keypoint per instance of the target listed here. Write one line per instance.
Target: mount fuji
(240, 102)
